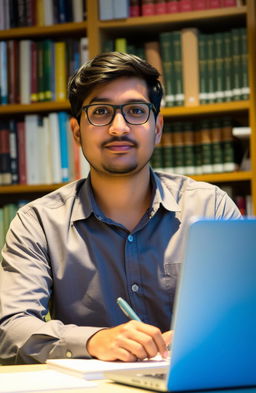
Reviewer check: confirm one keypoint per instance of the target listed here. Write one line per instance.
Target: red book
(160, 7)
(13, 74)
(199, 5)
(5, 161)
(214, 4)
(148, 7)
(172, 6)
(228, 3)
(186, 5)
(34, 73)
(134, 8)
(21, 152)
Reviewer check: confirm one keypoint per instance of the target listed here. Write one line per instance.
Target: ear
(75, 128)
(159, 128)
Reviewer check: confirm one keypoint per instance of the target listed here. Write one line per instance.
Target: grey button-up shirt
(62, 253)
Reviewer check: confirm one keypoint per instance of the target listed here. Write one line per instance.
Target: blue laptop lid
(214, 342)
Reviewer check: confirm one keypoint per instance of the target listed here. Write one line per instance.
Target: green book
(228, 69)
(157, 158)
(206, 147)
(211, 69)
(203, 74)
(244, 64)
(178, 146)
(166, 48)
(179, 92)
(108, 45)
(188, 148)
(236, 65)
(229, 163)
(197, 150)
(217, 148)
(168, 149)
(219, 67)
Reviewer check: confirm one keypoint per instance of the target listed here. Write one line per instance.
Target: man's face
(118, 148)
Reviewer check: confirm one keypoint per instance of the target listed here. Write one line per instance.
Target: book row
(7, 213)
(206, 146)
(40, 150)
(22, 13)
(33, 71)
(116, 9)
(196, 68)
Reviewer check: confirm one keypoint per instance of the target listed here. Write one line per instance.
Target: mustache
(119, 139)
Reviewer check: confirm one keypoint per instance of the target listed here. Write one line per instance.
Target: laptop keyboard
(158, 376)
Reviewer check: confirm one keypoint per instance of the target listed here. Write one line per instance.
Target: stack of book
(207, 146)
(33, 71)
(22, 13)
(196, 68)
(40, 150)
(116, 9)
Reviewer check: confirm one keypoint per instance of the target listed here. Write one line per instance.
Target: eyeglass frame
(115, 107)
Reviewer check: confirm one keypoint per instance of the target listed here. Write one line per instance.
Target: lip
(119, 146)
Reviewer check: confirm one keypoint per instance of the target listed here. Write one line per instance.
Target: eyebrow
(108, 100)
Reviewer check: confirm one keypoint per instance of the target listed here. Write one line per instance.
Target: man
(118, 233)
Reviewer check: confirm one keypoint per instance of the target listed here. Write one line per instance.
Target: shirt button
(130, 238)
(68, 354)
(135, 288)
(99, 218)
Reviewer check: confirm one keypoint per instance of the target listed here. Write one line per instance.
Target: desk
(103, 386)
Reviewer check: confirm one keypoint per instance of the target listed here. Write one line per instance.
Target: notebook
(214, 344)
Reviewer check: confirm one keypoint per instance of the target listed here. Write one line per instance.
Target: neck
(124, 199)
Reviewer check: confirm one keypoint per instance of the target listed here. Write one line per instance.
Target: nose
(119, 126)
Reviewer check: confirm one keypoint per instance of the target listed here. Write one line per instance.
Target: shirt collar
(85, 204)
(163, 193)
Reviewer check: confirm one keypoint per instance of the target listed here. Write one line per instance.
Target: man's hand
(128, 342)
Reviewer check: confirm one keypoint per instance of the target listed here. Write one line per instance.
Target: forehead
(119, 91)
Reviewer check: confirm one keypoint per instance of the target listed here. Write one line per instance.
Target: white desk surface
(103, 386)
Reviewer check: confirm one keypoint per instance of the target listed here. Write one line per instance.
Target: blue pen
(127, 310)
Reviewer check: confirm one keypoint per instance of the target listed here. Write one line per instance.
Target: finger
(156, 336)
(136, 346)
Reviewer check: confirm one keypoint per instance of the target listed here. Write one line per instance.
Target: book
(172, 6)
(25, 70)
(21, 152)
(13, 151)
(186, 5)
(121, 44)
(244, 64)
(78, 11)
(13, 71)
(236, 64)
(199, 5)
(219, 64)
(55, 154)
(178, 148)
(147, 7)
(189, 153)
(32, 149)
(120, 9)
(229, 161)
(153, 57)
(64, 152)
(217, 148)
(95, 369)
(190, 66)
(166, 47)
(106, 11)
(60, 71)
(160, 7)
(211, 68)
(178, 77)
(5, 162)
(203, 69)
(167, 149)
(3, 73)
(206, 146)
(134, 8)
(228, 84)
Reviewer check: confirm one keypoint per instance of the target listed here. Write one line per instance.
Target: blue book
(3, 73)
(64, 154)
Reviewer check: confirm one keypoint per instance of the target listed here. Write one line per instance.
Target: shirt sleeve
(225, 207)
(26, 287)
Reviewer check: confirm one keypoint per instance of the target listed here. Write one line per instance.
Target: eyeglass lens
(103, 114)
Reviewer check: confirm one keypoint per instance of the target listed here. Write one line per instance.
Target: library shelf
(224, 177)
(29, 188)
(37, 107)
(42, 31)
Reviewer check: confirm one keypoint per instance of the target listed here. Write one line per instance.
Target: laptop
(214, 343)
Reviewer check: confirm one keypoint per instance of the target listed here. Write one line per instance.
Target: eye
(101, 111)
(136, 110)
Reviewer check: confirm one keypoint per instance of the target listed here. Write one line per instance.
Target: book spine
(21, 152)
(121, 45)
(147, 7)
(178, 148)
(160, 7)
(228, 77)
(32, 147)
(157, 157)
(60, 71)
(55, 153)
(206, 147)
(244, 68)
(214, 4)
(5, 163)
(179, 96)
(34, 73)
(190, 66)
(229, 3)
(47, 65)
(203, 69)
(189, 155)
(172, 6)
(106, 10)
(134, 8)
(77, 8)
(3, 73)
(219, 61)
(197, 150)
(121, 9)
(167, 149)
(236, 64)
(153, 57)
(186, 5)
(217, 149)
(199, 5)
(25, 71)
(211, 69)
(13, 151)
(166, 47)
(48, 12)
(229, 163)
(40, 12)
(62, 120)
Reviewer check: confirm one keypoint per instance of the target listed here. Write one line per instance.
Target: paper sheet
(42, 380)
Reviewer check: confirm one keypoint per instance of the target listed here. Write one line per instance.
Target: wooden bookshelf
(97, 31)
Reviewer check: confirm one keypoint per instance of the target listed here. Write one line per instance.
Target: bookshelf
(149, 26)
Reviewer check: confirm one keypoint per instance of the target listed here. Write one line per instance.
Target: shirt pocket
(171, 275)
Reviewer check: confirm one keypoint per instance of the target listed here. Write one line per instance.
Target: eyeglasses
(135, 113)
